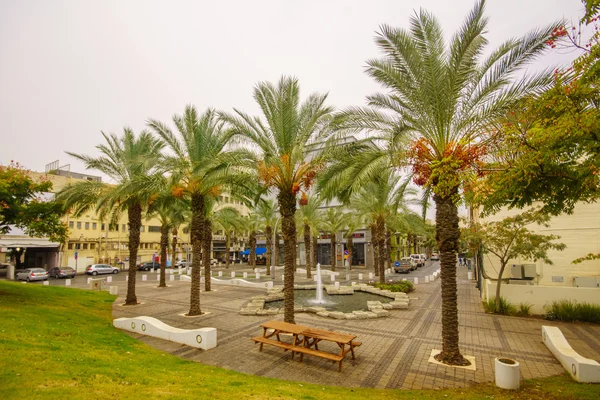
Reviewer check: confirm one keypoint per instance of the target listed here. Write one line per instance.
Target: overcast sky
(69, 69)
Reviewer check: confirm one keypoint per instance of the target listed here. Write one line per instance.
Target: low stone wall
(202, 338)
(376, 309)
(539, 296)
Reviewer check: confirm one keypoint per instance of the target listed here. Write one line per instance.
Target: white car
(417, 259)
(435, 257)
(96, 269)
(32, 274)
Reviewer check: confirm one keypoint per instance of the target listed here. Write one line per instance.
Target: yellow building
(92, 240)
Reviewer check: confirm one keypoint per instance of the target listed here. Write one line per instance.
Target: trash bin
(97, 284)
(469, 261)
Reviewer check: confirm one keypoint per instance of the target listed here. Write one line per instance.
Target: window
(87, 225)
(113, 227)
(186, 230)
(103, 226)
(78, 224)
(77, 246)
(85, 246)
(152, 228)
(94, 226)
(142, 228)
(70, 246)
(92, 246)
(123, 228)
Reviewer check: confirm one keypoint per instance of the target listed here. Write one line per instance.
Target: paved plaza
(395, 350)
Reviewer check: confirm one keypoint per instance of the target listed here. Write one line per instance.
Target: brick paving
(395, 350)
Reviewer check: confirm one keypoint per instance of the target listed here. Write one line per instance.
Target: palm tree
(254, 224)
(333, 222)
(200, 168)
(284, 137)
(228, 220)
(169, 211)
(444, 100)
(267, 215)
(354, 222)
(309, 217)
(124, 160)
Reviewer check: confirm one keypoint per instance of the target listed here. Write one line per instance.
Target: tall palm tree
(444, 98)
(253, 222)
(227, 219)
(354, 222)
(266, 211)
(309, 217)
(285, 137)
(200, 168)
(124, 160)
(333, 222)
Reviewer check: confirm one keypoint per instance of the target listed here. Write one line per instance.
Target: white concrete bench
(581, 369)
(203, 338)
(233, 282)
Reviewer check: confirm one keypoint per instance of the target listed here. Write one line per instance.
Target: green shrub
(504, 308)
(568, 310)
(523, 309)
(402, 286)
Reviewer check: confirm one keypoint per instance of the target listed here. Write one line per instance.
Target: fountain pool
(343, 303)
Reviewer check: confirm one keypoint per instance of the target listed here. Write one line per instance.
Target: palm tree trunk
(287, 208)
(174, 248)
(206, 243)
(349, 246)
(333, 258)
(447, 236)
(269, 235)
(388, 246)
(315, 246)
(164, 244)
(307, 252)
(382, 249)
(375, 243)
(227, 247)
(196, 235)
(134, 216)
(276, 255)
(252, 256)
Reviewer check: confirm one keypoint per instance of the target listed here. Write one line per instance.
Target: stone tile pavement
(395, 350)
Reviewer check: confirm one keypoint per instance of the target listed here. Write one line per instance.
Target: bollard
(332, 278)
(370, 275)
(470, 275)
(46, 283)
(126, 278)
(360, 277)
(88, 280)
(220, 273)
(245, 275)
(426, 279)
(68, 282)
(144, 277)
(233, 274)
(157, 278)
(114, 290)
(416, 282)
(403, 279)
(258, 275)
(337, 285)
(108, 279)
(314, 278)
(172, 278)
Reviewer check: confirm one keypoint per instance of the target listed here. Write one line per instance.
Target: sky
(71, 69)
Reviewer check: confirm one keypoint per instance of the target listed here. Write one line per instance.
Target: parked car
(404, 266)
(62, 272)
(260, 260)
(424, 258)
(417, 259)
(96, 269)
(32, 274)
(147, 266)
(435, 257)
(183, 264)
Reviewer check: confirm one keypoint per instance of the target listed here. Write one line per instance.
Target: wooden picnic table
(305, 338)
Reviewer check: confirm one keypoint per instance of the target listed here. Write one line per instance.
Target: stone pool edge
(376, 309)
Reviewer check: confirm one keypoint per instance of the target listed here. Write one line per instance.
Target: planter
(508, 373)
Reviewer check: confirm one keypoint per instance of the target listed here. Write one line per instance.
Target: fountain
(319, 297)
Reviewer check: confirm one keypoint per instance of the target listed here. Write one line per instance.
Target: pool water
(340, 302)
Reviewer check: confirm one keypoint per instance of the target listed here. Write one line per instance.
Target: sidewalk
(394, 352)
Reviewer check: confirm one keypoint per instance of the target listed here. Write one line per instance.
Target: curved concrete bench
(203, 338)
(581, 369)
(233, 282)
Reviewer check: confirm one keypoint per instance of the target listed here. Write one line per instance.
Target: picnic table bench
(305, 338)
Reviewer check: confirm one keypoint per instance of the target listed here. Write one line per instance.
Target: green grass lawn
(59, 343)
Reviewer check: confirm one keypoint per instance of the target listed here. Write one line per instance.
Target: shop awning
(259, 251)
